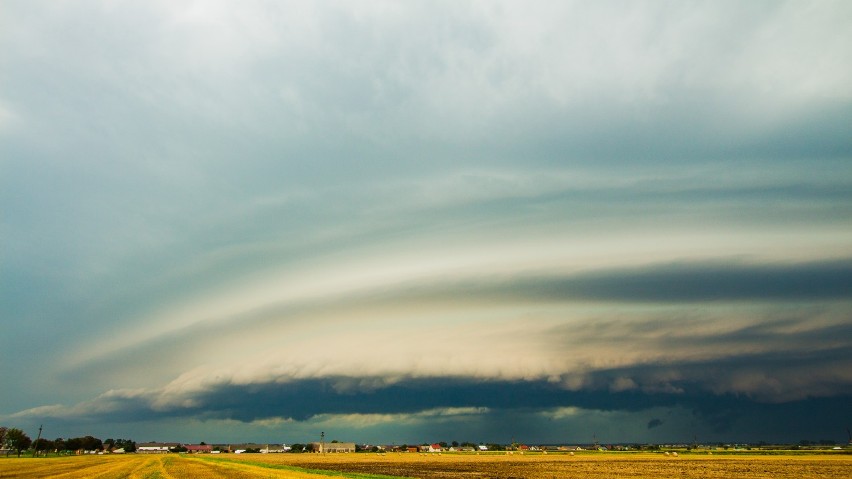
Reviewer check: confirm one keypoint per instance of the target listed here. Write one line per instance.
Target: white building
(155, 447)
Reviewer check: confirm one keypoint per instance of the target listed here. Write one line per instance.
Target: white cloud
(273, 422)
(110, 402)
(359, 421)
(563, 412)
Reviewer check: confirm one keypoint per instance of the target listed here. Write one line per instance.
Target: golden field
(139, 466)
(446, 466)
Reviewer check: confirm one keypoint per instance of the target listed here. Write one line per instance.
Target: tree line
(16, 440)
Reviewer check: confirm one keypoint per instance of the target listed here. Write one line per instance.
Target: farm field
(447, 466)
(138, 466)
(633, 465)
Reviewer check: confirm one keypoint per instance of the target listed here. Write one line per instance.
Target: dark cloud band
(665, 283)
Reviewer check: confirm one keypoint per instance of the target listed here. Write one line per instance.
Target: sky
(409, 222)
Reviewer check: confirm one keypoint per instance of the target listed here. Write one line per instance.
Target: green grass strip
(322, 472)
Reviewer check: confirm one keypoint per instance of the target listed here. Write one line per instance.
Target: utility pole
(35, 446)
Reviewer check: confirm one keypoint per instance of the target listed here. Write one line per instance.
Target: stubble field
(447, 466)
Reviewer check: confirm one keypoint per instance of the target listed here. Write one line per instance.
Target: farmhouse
(275, 448)
(198, 448)
(462, 449)
(333, 446)
(241, 448)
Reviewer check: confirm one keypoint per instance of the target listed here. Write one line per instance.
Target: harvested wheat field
(365, 466)
(149, 467)
(633, 465)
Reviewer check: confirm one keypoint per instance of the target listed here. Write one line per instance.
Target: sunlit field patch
(171, 466)
(445, 466)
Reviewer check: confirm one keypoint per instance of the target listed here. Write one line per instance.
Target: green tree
(73, 444)
(18, 440)
(126, 444)
(43, 444)
(90, 443)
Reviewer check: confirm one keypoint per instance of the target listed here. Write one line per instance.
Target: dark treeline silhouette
(15, 440)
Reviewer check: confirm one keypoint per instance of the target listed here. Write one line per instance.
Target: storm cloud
(403, 220)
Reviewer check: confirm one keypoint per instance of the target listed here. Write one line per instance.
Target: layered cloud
(286, 215)
(623, 341)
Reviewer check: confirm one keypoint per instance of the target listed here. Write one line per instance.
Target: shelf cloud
(402, 222)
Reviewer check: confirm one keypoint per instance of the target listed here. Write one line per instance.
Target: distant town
(17, 442)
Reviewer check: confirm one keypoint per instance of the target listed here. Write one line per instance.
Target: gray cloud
(299, 404)
(560, 201)
(669, 283)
